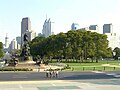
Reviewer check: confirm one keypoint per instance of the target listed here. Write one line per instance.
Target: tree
(117, 53)
(73, 44)
(109, 52)
(1, 50)
(101, 45)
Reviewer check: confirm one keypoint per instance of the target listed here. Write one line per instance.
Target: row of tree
(72, 45)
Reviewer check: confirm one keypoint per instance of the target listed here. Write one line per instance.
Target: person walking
(56, 73)
(50, 74)
(53, 74)
(47, 74)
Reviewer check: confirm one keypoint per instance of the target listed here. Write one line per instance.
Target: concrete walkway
(55, 85)
(110, 65)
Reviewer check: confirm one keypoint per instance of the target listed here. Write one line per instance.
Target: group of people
(52, 74)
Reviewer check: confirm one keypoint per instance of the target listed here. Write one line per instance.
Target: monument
(25, 61)
(25, 54)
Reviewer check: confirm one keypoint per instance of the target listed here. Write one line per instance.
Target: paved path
(57, 85)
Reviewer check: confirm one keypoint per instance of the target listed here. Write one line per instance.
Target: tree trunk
(96, 60)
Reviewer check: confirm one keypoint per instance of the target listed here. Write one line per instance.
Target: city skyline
(62, 12)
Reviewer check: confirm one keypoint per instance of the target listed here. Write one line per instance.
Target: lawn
(100, 66)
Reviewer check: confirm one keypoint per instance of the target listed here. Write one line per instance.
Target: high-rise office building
(6, 41)
(74, 26)
(114, 40)
(94, 28)
(13, 45)
(18, 39)
(25, 26)
(6, 45)
(89, 29)
(47, 28)
(107, 28)
(31, 35)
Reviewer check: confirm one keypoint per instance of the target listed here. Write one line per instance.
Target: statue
(25, 37)
(25, 49)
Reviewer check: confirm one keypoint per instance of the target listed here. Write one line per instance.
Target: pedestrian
(47, 73)
(56, 73)
(50, 74)
(53, 73)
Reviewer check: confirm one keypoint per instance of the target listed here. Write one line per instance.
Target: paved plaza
(57, 85)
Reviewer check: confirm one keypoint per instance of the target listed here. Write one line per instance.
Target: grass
(93, 69)
(94, 66)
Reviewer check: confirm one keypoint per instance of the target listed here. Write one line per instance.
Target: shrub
(15, 69)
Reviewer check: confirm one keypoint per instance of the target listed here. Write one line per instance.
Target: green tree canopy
(73, 44)
(1, 50)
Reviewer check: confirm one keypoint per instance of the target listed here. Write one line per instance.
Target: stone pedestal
(27, 64)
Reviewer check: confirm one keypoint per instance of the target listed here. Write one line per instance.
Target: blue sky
(62, 12)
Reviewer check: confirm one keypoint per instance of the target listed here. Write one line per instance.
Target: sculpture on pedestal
(25, 48)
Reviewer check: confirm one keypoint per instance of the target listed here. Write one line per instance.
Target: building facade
(47, 28)
(87, 29)
(107, 28)
(13, 45)
(94, 28)
(74, 26)
(114, 40)
(31, 35)
(18, 39)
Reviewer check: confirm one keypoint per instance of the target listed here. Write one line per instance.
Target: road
(36, 76)
(66, 81)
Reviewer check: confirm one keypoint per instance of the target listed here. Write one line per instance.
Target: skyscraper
(6, 41)
(18, 39)
(13, 45)
(47, 28)
(74, 26)
(31, 35)
(94, 28)
(25, 26)
(114, 40)
(107, 28)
